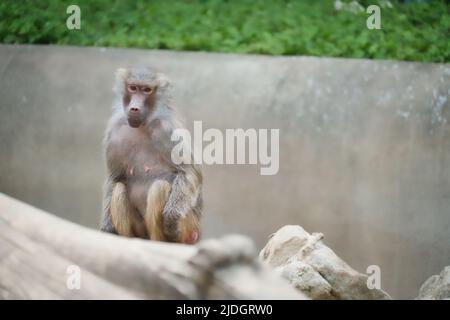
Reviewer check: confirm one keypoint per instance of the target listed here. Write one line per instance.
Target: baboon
(146, 195)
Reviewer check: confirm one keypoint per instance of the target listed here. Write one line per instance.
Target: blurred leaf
(412, 31)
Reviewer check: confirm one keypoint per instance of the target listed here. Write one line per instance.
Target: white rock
(437, 287)
(313, 268)
(304, 278)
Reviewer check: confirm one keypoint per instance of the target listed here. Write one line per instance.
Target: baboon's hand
(106, 225)
(184, 229)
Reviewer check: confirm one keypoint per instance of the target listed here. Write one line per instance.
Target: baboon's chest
(134, 151)
(139, 161)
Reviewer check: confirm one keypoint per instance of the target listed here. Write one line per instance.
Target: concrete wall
(364, 146)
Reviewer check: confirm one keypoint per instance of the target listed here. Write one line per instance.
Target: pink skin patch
(130, 171)
(192, 238)
(147, 168)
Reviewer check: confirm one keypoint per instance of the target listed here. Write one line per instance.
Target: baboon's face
(138, 103)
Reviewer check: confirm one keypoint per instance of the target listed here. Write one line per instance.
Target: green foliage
(412, 31)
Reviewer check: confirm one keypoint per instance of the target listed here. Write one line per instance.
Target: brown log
(36, 248)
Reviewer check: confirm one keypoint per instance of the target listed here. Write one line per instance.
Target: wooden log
(36, 249)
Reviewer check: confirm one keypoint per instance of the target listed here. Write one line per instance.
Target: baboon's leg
(156, 200)
(121, 211)
(157, 197)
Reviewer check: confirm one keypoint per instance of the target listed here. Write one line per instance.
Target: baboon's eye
(132, 88)
(148, 90)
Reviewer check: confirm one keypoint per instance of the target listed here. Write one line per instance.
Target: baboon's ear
(121, 75)
(163, 80)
